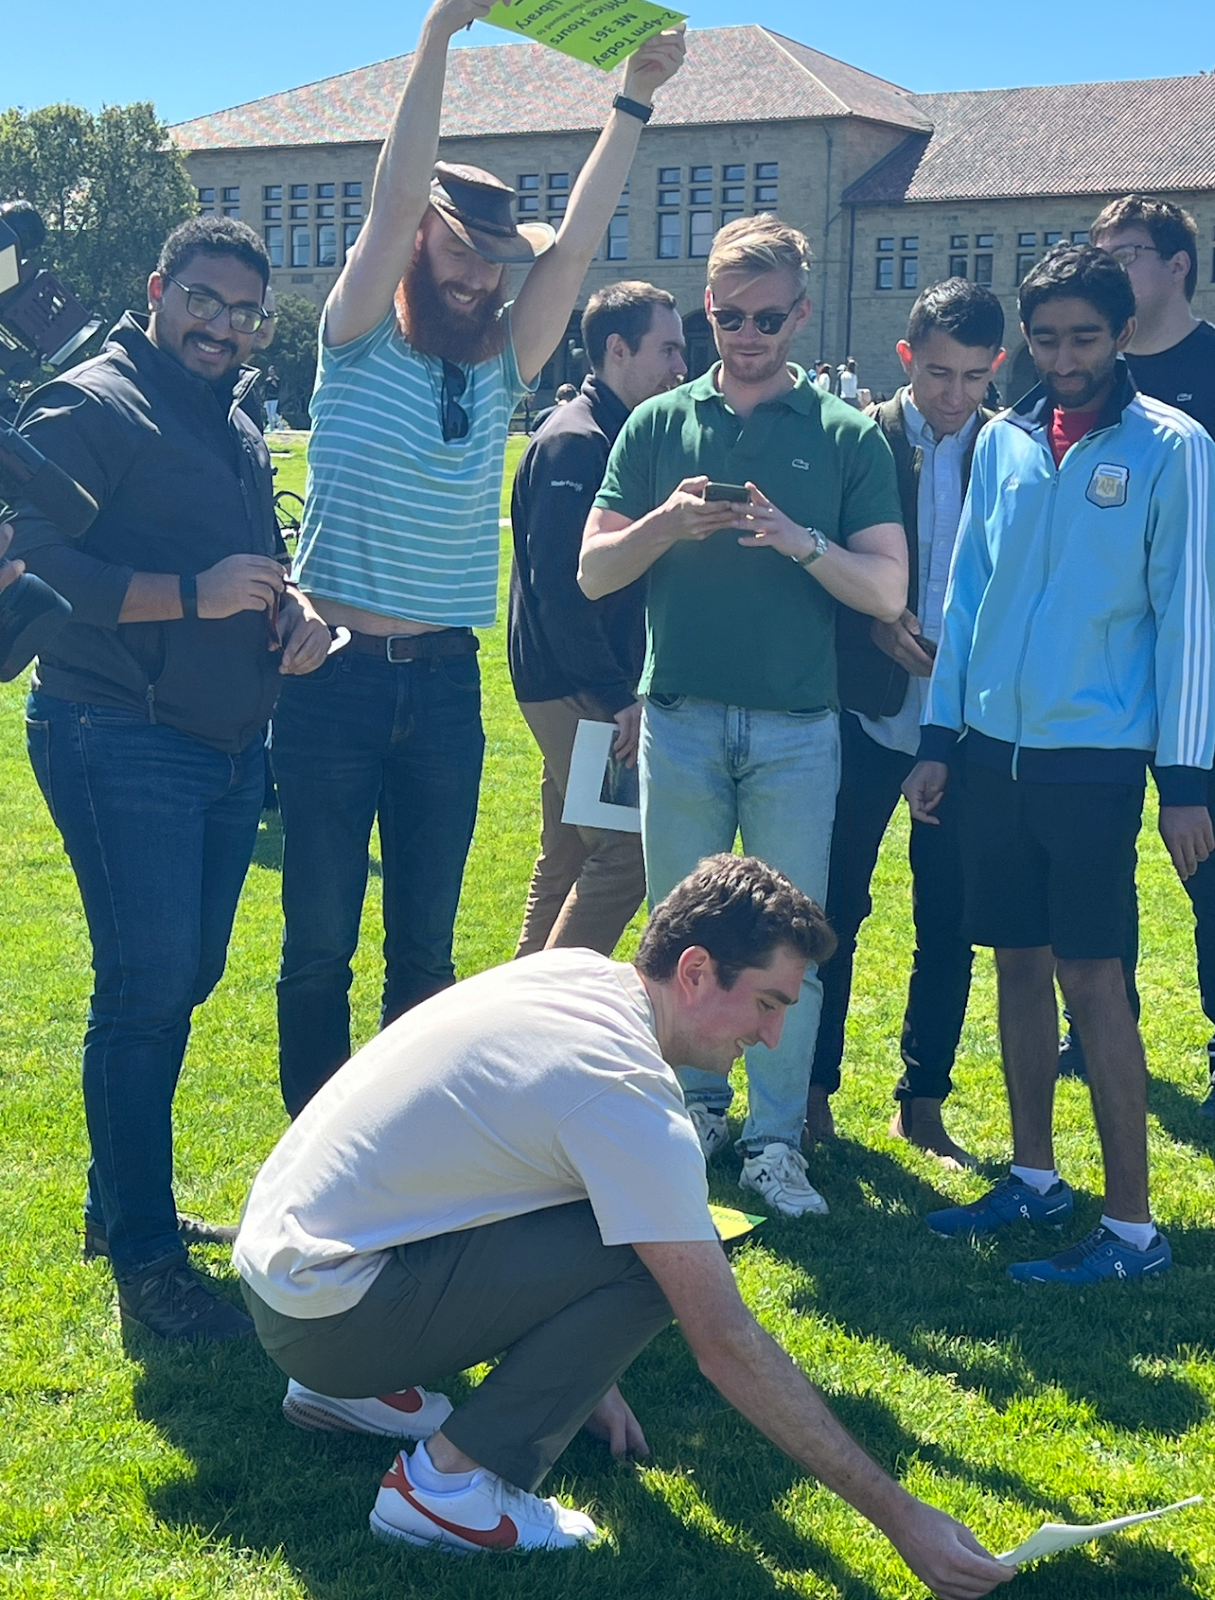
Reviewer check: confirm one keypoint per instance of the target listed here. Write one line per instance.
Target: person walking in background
(953, 345)
(1078, 646)
(570, 657)
(848, 382)
(739, 733)
(146, 717)
(421, 367)
(822, 377)
(1172, 358)
(270, 390)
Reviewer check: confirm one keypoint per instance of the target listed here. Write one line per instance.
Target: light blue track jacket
(1078, 621)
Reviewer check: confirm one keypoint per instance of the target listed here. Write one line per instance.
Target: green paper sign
(602, 33)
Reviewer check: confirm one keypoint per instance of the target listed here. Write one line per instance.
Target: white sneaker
(711, 1128)
(778, 1173)
(411, 1414)
(486, 1514)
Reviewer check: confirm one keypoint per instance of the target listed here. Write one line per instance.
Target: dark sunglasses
(766, 322)
(452, 416)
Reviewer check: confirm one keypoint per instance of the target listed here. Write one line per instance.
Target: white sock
(1139, 1234)
(1041, 1179)
(429, 1477)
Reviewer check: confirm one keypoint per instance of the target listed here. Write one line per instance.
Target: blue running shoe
(1099, 1255)
(1010, 1201)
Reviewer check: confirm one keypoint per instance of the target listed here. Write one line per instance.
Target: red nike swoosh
(504, 1537)
(409, 1400)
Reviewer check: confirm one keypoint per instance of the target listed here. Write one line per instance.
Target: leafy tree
(110, 187)
(293, 356)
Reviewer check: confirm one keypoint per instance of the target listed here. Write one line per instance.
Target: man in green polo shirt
(740, 729)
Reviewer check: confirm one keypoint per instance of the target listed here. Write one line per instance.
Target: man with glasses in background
(422, 363)
(740, 727)
(145, 721)
(1172, 358)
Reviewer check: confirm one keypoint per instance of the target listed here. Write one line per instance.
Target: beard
(431, 326)
(1081, 397)
(756, 369)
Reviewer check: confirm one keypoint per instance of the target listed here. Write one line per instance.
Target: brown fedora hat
(476, 206)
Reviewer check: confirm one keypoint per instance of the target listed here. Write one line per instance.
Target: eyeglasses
(1124, 254)
(204, 305)
(766, 322)
(453, 418)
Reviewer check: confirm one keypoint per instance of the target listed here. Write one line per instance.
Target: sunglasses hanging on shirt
(453, 419)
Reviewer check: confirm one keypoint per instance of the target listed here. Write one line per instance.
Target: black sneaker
(193, 1230)
(1071, 1056)
(173, 1302)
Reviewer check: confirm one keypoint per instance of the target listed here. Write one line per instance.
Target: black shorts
(1049, 863)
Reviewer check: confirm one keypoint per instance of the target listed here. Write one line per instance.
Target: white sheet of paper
(583, 807)
(1054, 1536)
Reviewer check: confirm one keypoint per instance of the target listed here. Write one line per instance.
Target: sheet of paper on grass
(601, 33)
(1052, 1537)
(601, 792)
(731, 1224)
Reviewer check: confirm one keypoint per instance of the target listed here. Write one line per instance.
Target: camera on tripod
(42, 326)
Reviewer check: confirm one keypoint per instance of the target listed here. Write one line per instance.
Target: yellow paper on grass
(601, 33)
(731, 1224)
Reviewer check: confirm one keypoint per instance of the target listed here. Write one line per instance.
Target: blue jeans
(709, 771)
(160, 830)
(360, 736)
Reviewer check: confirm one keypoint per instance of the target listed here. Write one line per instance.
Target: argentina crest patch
(1107, 486)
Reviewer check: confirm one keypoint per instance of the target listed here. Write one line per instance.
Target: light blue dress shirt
(939, 510)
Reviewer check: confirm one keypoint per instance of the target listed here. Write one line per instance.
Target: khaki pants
(566, 1313)
(587, 882)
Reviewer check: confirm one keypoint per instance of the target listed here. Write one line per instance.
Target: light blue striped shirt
(396, 521)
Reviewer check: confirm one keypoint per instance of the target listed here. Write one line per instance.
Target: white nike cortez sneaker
(779, 1174)
(411, 1414)
(485, 1514)
(711, 1128)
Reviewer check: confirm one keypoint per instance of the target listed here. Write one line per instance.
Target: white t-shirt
(848, 384)
(532, 1085)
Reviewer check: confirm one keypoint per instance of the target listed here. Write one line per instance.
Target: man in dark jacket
(571, 657)
(145, 720)
(953, 347)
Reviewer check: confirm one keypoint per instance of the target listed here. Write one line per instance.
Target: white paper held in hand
(600, 792)
(1052, 1537)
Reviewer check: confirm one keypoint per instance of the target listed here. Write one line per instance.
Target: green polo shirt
(749, 627)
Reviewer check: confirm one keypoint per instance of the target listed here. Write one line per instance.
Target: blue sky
(194, 58)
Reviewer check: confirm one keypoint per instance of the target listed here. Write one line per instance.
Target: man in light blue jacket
(1078, 647)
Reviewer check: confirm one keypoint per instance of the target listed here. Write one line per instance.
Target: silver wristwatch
(820, 548)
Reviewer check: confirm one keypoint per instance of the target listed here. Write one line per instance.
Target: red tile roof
(1063, 139)
(742, 74)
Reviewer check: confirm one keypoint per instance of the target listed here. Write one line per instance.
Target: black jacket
(183, 479)
(560, 643)
(869, 681)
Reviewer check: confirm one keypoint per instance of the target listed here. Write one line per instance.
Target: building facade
(894, 190)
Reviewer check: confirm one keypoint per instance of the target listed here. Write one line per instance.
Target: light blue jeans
(709, 771)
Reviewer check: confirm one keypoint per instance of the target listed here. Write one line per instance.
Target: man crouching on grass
(509, 1170)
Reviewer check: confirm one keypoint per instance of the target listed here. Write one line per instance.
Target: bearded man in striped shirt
(422, 362)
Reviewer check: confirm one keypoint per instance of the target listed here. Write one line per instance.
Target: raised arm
(541, 313)
(755, 1375)
(377, 260)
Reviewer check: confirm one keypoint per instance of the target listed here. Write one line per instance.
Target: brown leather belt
(398, 647)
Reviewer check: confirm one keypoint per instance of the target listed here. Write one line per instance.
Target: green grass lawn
(131, 1468)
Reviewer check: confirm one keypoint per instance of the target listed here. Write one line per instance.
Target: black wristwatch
(188, 585)
(632, 108)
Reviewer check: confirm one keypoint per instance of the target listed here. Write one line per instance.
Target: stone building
(894, 190)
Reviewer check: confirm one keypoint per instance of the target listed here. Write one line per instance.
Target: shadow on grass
(266, 1487)
(711, 1519)
(1178, 1113)
(947, 1307)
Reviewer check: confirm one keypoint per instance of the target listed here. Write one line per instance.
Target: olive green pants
(565, 1313)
